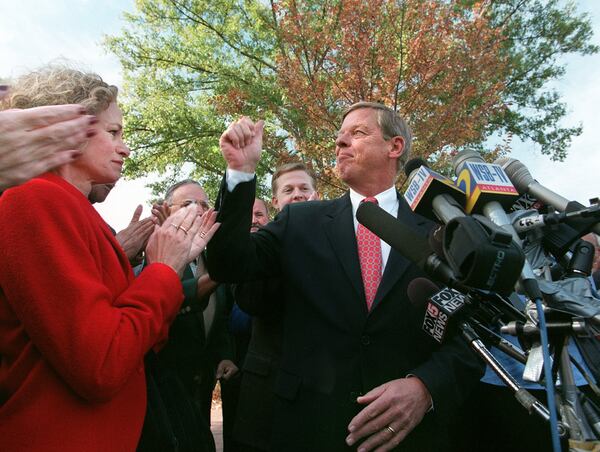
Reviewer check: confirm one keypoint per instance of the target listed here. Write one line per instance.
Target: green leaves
(460, 71)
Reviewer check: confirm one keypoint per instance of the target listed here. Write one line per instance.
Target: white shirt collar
(387, 200)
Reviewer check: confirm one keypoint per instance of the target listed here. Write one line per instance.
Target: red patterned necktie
(369, 254)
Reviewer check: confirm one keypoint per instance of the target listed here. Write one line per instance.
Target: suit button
(365, 340)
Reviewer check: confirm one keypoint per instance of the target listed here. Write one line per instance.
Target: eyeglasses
(188, 202)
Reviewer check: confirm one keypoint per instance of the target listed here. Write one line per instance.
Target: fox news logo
(439, 310)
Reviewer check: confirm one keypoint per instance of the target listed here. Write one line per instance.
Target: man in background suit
(356, 368)
(291, 183)
(199, 347)
(260, 215)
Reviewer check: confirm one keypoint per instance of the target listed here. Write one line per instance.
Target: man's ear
(274, 203)
(397, 148)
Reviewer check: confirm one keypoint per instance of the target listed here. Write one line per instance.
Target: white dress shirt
(388, 201)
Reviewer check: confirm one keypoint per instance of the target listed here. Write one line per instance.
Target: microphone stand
(570, 405)
(550, 393)
(499, 342)
(524, 397)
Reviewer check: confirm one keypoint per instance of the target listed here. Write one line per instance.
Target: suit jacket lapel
(397, 264)
(340, 232)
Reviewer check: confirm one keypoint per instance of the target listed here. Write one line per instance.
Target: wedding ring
(183, 229)
(391, 430)
(202, 234)
(174, 225)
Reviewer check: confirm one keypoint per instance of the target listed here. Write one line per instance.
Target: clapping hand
(208, 227)
(134, 237)
(161, 211)
(35, 140)
(170, 243)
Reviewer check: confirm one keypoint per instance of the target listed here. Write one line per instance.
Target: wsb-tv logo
(440, 308)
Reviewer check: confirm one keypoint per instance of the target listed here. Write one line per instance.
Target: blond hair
(288, 168)
(57, 84)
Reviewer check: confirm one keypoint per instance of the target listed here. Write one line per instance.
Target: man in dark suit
(199, 347)
(356, 368)
(291, 183)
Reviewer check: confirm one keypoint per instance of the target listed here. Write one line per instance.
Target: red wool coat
(74, 324)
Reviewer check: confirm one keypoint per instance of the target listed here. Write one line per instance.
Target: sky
(34, 32)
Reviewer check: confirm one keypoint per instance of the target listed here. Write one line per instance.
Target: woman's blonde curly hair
(58, 84)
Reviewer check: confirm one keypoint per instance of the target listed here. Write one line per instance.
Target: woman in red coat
(74, 323)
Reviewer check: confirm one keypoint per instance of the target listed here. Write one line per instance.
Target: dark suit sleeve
(259, 298)
(221, 344)
(235, 255)
(449, 374)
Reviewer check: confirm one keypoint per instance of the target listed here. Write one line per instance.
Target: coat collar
(397, 264)
(340, 231)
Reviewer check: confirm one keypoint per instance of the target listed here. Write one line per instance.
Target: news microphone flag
(485, 182)
(442, 307)
(425, 184)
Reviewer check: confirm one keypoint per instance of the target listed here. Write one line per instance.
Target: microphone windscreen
(459, 159)
(420, 290)
(414, 164)
(517, 172)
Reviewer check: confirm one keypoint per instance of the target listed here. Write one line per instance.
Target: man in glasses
(199, 347)
(184, 193)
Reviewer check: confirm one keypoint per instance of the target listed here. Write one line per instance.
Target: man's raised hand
(241, 144)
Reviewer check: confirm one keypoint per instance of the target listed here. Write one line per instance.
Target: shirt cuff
(235, 177)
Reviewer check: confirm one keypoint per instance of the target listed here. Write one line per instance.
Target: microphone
(522, 179)
(483, 183)
(490, 198)
(420, 287)
(446, 309)
(406, 241)
(471, 169)
(419, 290)
(582, 260)
(442, 307)
(516, 328)
(480, 255)
(430, 194)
